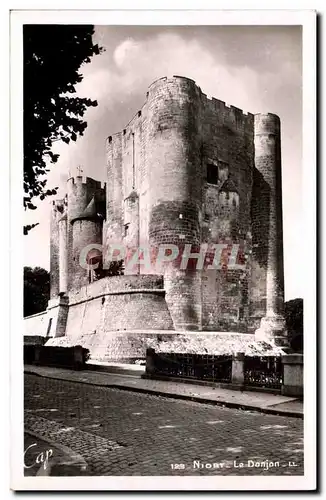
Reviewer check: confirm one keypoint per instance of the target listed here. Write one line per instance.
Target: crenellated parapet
(81, 191)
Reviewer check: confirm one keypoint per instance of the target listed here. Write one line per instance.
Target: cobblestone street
(126, 433)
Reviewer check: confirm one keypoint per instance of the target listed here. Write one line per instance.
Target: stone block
(150, 361)
(238, 369)
(292, 375)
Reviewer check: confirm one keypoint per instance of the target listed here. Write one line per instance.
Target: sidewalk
(128, 377)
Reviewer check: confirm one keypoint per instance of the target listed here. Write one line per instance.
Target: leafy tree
(36, 290)
(53, 55)
(294, 323)
(116, 268)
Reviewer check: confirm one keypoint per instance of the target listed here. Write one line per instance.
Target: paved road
(126, 433)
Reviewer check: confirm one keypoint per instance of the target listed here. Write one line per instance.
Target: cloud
(126, 71)
(126, 51)
(139, 63)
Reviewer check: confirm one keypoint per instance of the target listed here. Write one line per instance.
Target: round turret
(268, 212)
(57, 212)
(84, 224)
(63, 254)
(175, 180)
(173, 157)
(80, 191)
(267, 135)
(267, 124)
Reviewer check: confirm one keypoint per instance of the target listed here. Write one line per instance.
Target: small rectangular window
(126, 229)
(90, 273)
(49, 327)
(212, 174)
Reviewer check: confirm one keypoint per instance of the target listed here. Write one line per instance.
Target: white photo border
(307, 19)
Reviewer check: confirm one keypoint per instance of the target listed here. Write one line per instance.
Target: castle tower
(268, 165)
(63, 254)
(57, 213)
(57, 309)
(175, 194)
(113, 228)
(86, 202)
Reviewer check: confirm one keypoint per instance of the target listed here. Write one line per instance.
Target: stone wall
(57, 313)
(117, 304)
(36, 324)
(228, 147)
(127, 187)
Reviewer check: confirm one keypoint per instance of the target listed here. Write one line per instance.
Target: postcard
(166, 161)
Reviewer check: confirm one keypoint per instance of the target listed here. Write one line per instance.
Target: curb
(196, 399)
(77, 463)
(216, 385)
(114, 370)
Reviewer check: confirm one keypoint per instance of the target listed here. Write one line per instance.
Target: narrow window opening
(91, 272)
(49, 327)
(212, 174)
(133, 161)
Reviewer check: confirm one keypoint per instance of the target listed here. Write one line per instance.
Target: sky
(255, 68)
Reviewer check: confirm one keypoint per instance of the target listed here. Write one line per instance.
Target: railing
(35, 339)
(263, 371)
(67, 357)
(194, 366)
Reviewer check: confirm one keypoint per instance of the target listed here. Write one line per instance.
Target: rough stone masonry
(186, 170)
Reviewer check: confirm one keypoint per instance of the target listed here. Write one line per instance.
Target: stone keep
(186, 170)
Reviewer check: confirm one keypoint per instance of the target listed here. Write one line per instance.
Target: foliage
(28, 227)
(53, 54)
(294, 323)
(116, 268)
(36, 290)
